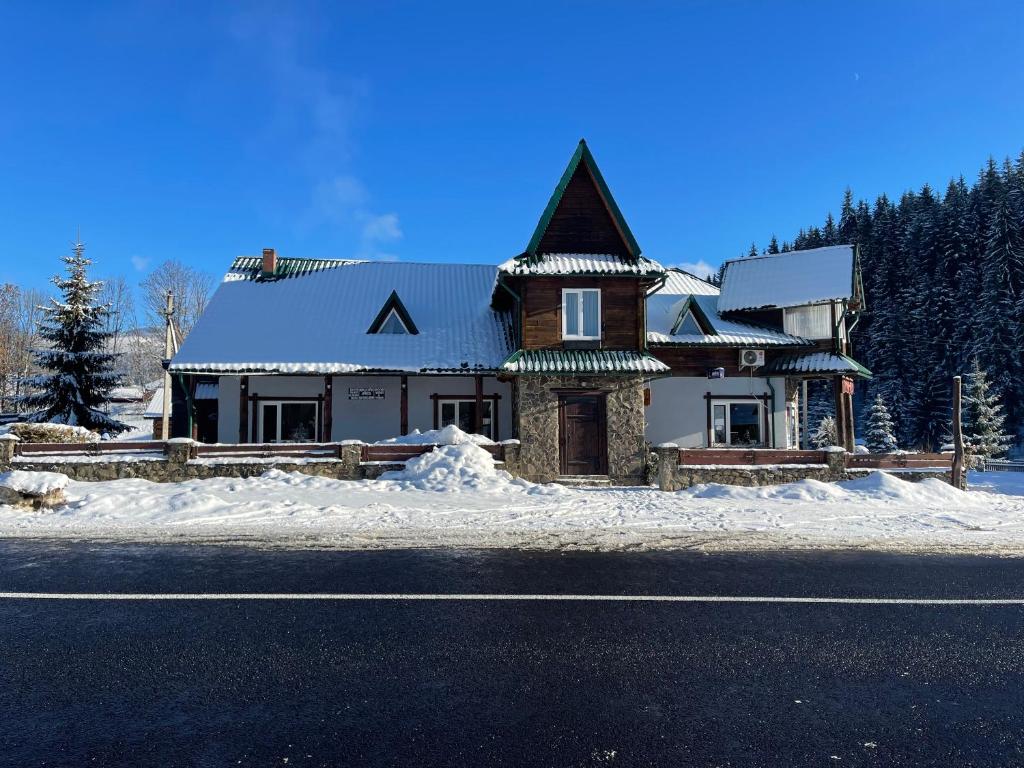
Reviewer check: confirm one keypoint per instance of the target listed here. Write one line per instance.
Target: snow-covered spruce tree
(826, 434)
(983, 417)
(879, 427)
(80, 373)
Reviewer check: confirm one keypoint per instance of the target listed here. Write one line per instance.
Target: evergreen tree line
(944, 284)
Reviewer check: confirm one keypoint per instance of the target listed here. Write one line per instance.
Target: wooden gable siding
(581, 222)
(697, 361)
(621, 311)
(766, 318)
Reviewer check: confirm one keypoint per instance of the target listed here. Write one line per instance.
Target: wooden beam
(243, 410)
(478, 417)
(403, 427)
(328, 426)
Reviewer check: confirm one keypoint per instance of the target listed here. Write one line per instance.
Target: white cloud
(382, 229)
(699, 268)
(140, 263)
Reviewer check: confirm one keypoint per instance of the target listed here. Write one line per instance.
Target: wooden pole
(958, 436)
(403, 406)
(169, 350)
(806, 436)
(478, 419)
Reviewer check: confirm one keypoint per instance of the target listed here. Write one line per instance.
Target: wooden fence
(392, 452)
(729, 456)
(101, 448)
(267, 450)
(899, 461)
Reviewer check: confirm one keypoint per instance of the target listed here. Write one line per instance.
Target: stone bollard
(668, 466)
(8, 444)
(835, 456)
(351, 454)
(179, 450)
(512, 449)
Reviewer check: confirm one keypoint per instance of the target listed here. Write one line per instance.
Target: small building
(581, 347)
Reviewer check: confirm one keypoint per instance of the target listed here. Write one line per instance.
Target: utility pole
(958, 436)
(170, 348)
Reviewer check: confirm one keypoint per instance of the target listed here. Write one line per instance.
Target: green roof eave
(583, 154)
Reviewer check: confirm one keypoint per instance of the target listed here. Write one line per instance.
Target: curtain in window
(572, 314)
(591, 323)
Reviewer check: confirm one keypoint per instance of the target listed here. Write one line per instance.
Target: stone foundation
(536, 400)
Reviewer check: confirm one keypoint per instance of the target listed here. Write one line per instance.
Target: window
(581, 313)
(689, 325)
(736, 424)
(462, 413)
(288, 422)
(392, 324)
(811, 322)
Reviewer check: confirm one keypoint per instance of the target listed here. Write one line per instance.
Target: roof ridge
(787, 253)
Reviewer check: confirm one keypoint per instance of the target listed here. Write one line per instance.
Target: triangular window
(393, 318)
(689, 326)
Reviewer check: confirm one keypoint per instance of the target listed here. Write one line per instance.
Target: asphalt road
(516, 683)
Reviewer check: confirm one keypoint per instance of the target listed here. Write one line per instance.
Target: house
(581, 347)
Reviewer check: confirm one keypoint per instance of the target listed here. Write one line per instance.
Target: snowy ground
(454, 497)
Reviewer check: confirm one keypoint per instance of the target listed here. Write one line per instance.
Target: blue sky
(436, 132)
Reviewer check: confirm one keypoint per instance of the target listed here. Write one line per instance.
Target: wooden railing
(899, 461)
(397, 453)
(735, 456)
(89, 449)
(268, 450)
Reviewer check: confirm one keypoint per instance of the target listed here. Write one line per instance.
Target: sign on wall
(366, 393)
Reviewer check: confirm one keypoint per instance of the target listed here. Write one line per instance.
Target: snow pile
(450, 435)
(33, 483)
(461, 468)
(50, 433)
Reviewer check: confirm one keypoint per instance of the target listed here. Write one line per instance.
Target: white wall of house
(678, 411)
(354, 416)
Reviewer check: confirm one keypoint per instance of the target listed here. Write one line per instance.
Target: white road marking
(342, 596)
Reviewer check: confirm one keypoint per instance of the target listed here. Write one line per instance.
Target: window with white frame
(581, 313)
(737, 423)
(462, 413)
(288, 421)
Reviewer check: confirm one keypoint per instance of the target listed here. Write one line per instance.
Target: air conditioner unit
(751, 358)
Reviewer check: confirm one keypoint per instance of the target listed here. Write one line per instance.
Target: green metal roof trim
(251, 267)
(818, 362)
(582, 361)
(582, 153)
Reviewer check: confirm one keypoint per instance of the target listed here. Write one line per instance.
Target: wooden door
(581, 438)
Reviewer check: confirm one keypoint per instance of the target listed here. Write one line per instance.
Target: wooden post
(837, 397)
(806, 436)
(403, 428)
(478, 419)
(958, 436)
(243, 410)
(326, 434)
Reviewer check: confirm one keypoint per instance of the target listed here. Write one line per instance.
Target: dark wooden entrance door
(581, 435)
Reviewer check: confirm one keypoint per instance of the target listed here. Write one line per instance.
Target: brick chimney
(269, 261)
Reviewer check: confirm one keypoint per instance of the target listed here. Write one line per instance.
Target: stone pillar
(668, 466)
(351, 454)
(836, 459)
(512, 462)
(7, 447)
(180, 450)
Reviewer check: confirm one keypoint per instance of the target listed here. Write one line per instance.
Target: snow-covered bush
(826, 434)
(984, 434)
(51, 433)
(879, 436)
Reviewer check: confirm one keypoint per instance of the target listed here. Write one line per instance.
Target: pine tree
(826, 434)
(773, 246)
(983, 417)
(878, 435)
(81, 374)
(753, 250)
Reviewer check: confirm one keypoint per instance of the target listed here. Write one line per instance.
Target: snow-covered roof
(818, 362)
(155, 408)
(789, 279)
(577, 361)
(316, 322)
(580, 264)
(683, 291)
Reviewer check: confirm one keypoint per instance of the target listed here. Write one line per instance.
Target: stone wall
(673, 477)
(537, 409)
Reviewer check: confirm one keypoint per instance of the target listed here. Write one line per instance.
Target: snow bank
(450, 435)
(461, 468)
(33, 483)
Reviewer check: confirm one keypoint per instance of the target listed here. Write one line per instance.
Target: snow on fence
(1004, 465)
(267, 450)
(99, 448)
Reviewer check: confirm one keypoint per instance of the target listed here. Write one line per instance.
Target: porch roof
(582, 361)
(811, 363)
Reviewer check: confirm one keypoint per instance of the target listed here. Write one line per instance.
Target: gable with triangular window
(692, 321)
(393, 318)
